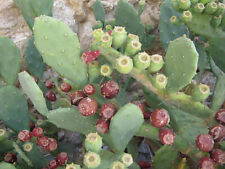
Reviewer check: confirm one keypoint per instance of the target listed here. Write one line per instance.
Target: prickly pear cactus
(60, 49)
(4, 165)
(180, 63)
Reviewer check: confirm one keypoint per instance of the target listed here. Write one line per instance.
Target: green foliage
(127, 16)
(9, 53)
(14, 109)
(60, 49)
(33, 8)
(99, 11)
(4, 165)
(34, 61)
(32, 90)
(180, 63)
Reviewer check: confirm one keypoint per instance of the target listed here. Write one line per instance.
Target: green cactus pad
(9, 54)
(180, 63)
(4, 165)
(60, 49)
(33, 91)
(99, 11)
(120, 131)
(34, 61)
(71, 119)
(14, 109)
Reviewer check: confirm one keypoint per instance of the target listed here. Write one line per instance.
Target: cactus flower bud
(108, 27)
(93, 142)
(199, 8)
(142, 61)
(126, 159)
(200, 92)
(92, 160)
(131, 37)
(186, 16)
(106, 70)
(156, 63)
(184, 4)
(97, 33)
(28, 147)
(132, 48)
(106, 40)
(174, 20)
(119, 35)
(159, 81)
(124, 64)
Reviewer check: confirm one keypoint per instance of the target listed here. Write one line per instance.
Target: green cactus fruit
(32, 90)
(186, 16)
(124, 64)
(199, 8)
(220, 10)
(156, 63)
(106, 70)
(97, 25)
(60, 49)
(180, 63)
(93, 71)
(184, 4)
(72, 166)
(126, 159)
(108, 27)
(28, 146)
(119, 35)
(159, 81)
(93, 142)
(174, 20)
(205, 1)
(142, 61)
(175, 4)
(200, 92)
(97, 33)
(131, 37)
(117, 164)
(92, 160)
(211, 8)
(10, 53)
(216, 21)
(132, 48)
(106, 40)
(4, 165)
(193, 2)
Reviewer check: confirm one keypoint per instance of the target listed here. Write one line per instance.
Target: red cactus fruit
(218, 156)
(142, 106)
(217, 132)
(110, 89)
(204, 142)
(24, 135)
(76, 97)
(144, 164)
(49, 84)
(53, 164)
(102, 126)
(37, 132)
(159, 118)
(32, 125)
(62, 158)
(89, 89)
(90, 56)
(166, 136)
(50, 95)
(110, 32)
(10, 157)
(220, 116)
(108, 110)
(35, 79)
(206, 163)
(65, 87)
(52, 146)
(88, 106)
(43, 141)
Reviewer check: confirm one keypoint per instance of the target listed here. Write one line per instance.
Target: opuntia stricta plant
(178, 121)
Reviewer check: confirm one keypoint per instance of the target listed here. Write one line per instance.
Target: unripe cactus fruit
(76, 97)
(204, 1)
(106, 70)
(218, 156)
(126, 159)
(142, 60)
(124, 64)
(108, 110)
(65, 87)
(211, 8)
(10, 157)
(117, 164)
(119, 35)
(97, 33)
(89, 89)
(43, 141)
(49, 84)
(37, 132)
(93, 142)
(92, 160)
(102, 126)
(156, 63)
(184, 4)
(24, 135)
(220, 116)
(52, 146)
(132, 48)
(106, 40)
(217, 132)
(199, 8)
(200, 92)
(72, 166)
(160, 118)
(28, 147)
(204, 142)
(88, 106)
(62, 158)
(174, 20)
(220, 10)
(206, 163)
(166, 136)
(110, 89)
(93, 71)
(175, 5)
(108, 28)
(53, 164)
(131, 37)
(159, 81)
(216, 21)
(50, 95)
(186, 16)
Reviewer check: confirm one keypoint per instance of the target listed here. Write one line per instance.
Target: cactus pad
(180, 63)
(4, 165)
(60, 49)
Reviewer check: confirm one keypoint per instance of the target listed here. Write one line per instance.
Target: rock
(78, 7)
